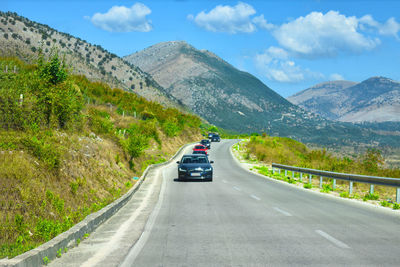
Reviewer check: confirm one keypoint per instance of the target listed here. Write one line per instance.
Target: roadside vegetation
(261, 151)
(69, 147)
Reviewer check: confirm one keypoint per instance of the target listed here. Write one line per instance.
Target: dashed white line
(255, 197)
(224, 181)
(338, 243)
(237, 188)
(282, 211)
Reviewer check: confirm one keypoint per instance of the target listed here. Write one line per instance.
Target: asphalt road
(241, 219)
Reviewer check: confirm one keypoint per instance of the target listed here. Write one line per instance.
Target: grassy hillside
(22, 38)
(69, 146)
(287, 151)
(258, 152)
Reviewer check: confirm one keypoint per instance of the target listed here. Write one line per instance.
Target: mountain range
(376, 99)
(177, 74)
(217, 91)
(237, 100)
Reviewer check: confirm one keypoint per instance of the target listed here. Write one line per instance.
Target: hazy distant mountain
(376, 99)
(23, 38)
(236, 100)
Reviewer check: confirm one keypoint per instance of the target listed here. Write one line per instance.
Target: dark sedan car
(215, 138)
(206, 143)
(195, 166)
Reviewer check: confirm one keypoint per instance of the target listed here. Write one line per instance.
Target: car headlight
(181, 169)
(208, 169)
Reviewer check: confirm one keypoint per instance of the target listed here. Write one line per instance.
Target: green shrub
(308, 186)
(371, 197)
(46, 152)
(99, 122)
(290, 180)
(385, 203)
(396, 206)
(344, 194)
(170, 128)
(135, 145)
(46, 260)
(59, 253)
(47, 229)
(326, 188)
(74, 187)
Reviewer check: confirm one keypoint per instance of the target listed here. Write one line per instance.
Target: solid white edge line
(338, 243)
(137, 248)
(282, 211)
(237, 188)
(255, 197)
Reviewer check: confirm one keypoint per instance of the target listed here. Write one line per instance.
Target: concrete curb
(68, 239)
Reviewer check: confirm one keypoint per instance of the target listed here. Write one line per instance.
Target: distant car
(195, 166)
(200, 148)
(206, 143)
(215, 138)
(210, 135)
(200, 152)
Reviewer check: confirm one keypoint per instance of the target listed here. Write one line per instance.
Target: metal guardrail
(373, 180)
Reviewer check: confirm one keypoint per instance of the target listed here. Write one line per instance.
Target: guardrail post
(292, 174)
(398, 195)
(320, 182)
(273, 170)
(309, 178)
(285, 173)
(301, 177)
(279, 171)
(351, 188)
(334, 184)
(371, 189)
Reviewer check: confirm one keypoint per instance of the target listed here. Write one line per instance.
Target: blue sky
(289, 45)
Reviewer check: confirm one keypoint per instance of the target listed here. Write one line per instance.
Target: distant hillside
(238, 101)
(318, 99)
(376, 99)
(23, 38)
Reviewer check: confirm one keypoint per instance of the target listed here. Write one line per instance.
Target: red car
(200, 148)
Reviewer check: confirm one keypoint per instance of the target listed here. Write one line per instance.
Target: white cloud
(262, 23)
(336, 77)
(229, 19)
(124, 19)
(391, 27)
(275, 64)
(323, 35)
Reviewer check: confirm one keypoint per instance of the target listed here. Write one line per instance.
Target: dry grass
(93, 172)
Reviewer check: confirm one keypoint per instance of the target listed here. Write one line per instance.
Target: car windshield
(194, 159)
(199, 152)
(199, 147)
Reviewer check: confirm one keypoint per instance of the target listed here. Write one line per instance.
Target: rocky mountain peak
(375, 99)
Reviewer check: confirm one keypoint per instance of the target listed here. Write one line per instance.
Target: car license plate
(195, 174)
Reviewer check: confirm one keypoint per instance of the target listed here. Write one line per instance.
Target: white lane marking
(338, 243)
(237, 188)
(116, 239)
(224, 181)
(255, 197)
(137, 248)
(282, 211)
